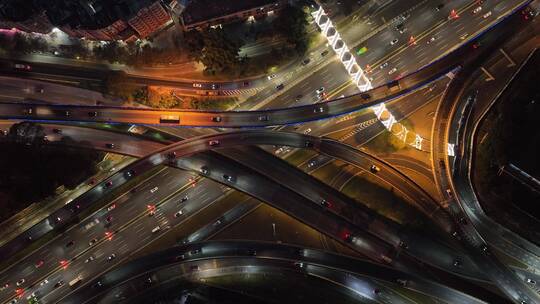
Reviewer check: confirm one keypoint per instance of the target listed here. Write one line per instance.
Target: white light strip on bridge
(361, 81)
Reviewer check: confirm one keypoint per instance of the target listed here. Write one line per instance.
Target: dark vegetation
(33, 170)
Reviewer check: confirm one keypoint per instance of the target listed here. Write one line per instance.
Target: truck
(75, 281)
(169, 119)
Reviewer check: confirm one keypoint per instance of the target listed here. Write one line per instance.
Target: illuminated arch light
(326, 26)
(389, 122)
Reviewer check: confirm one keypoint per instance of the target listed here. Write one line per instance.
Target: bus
(75, 281)
(169, 119)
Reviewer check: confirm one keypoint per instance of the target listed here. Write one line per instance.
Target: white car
(154, 189)
(430, 40)
(270, 77)
(320, 90)
(197, 85)
(486, 15)
(477, 10)
(394, 41)
(20, 282)
(44, 282)
(392, 71)
(307, 131)
(464, 36)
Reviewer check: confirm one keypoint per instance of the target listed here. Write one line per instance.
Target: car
(245, 83)
(59, 284)
(392, 71)
(111, 207)
(485, 249)
(28, 111)
(430, 40)
(4, 132)
(215, 86)
(13, 301)
(109, 145)
(308, 144)
(439, 7)
(20, 282)
(213, 143)
(197, 85)
(477, 10)
(111, 257)
(89, 259)
(228, 178)
(216, 119)
(318, 110)
(530, 281)
(280, 87)
(311, 163)
(204, 170)
(374, 169)
(154, 189)
(109, 219)
(298, 97)
(486, 15)
(92, 242)
(394, 41)
(326, 203)
(183, 199)
(324, 53)
(44, 282)
(365, 96)
(67, 113)
(449, 192)
(178, 213)
(457, 263)
(108, 184)
(402, 282)
(270, 77)
(98, 284)
(307, 131)
(306, 61)
(40, 90)
(57, 131)
(130, 173)
(156, 229)
(39, 263)
(216, 223)
(263, 118)
(20, 66)
(401, 28)
(70, 243)
(376, 291)
(319, 90)
(93, 114)
(384, 65)
(462, 37)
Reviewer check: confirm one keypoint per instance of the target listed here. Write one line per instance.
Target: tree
(291, 24)
(112, 52)
(220, 52)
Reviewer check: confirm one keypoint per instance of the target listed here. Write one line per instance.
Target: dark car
(439, 7)
(324, 53)
(92, 114)
(57, 131)
(59, 283)
(280, 87)
(216, 118)
(70, 243)
(298, 97)
(306, 61)
(246, 83)
(109, 145)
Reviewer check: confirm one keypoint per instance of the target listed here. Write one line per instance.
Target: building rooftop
(201, 10)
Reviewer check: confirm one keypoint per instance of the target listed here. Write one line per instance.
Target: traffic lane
(445, 38)
(132, 204)
(422, 19)
(329, 77)
(140, 233)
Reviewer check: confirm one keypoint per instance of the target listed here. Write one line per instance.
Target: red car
(39, 264)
